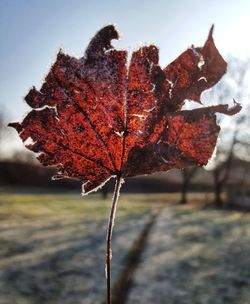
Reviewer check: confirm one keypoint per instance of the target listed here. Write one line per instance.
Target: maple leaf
(101, 116)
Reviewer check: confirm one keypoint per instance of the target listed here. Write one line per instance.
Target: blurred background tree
(234, 141)
(4, 133)
(186, 177)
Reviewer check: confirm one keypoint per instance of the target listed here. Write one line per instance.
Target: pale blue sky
(32, 32)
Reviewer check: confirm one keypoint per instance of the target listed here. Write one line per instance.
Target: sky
(32, 32)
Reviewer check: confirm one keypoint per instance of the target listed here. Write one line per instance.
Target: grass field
(52, 250)
(52, 247)
(195, 256)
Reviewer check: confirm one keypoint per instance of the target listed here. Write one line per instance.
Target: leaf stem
(109, 237)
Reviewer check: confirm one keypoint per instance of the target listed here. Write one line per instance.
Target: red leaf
(100, 116)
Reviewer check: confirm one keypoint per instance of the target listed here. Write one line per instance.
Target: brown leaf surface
(101, 116)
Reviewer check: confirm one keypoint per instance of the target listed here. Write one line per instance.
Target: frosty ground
(52, 250)
(195, 256)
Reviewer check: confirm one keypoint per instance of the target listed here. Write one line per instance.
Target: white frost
(120, 134)
(202, 78)
(201, 58)
(149, 110)
(172, 85)
(139, 116)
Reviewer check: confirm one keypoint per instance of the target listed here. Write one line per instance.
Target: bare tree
(2, 130)
(233, 136)
(221, 172)
(187, 175)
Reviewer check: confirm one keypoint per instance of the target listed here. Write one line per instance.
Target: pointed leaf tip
(210, 35)
(101, 42)
(225, 109)
(15, 125)
(236, 108)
